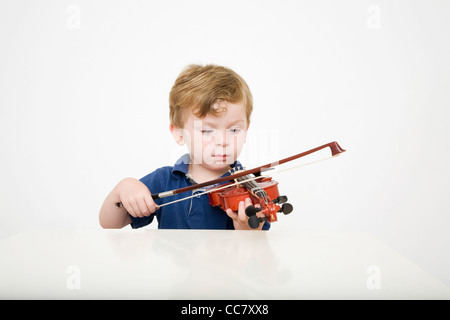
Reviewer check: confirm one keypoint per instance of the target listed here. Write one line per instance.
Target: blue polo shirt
(193, 213)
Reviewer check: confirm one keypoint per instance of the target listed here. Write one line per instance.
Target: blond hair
(199, 89)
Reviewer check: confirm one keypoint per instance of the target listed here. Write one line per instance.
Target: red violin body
(264, 195)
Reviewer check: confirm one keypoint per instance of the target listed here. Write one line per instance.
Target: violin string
(254, 188)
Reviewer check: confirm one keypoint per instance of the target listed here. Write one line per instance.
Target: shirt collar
(181, 165)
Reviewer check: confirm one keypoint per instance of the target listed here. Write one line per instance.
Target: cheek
(196, 141)
(202, 147)
(237, 142)
(240, 139)
(206, 142)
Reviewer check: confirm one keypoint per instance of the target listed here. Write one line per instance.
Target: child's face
(215, 142)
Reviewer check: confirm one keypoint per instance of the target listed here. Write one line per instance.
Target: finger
(147, 205)
(129, 208)
(247, 203)
(151, 205)
(136, 209)
(241, 212)
(259, 213)
(231, 214)
(143, 207)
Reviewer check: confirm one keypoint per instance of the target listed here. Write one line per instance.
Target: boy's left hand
(240, 219)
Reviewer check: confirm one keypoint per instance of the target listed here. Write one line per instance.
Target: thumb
(231, 214)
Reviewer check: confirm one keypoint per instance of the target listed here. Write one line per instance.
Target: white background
(84, 103)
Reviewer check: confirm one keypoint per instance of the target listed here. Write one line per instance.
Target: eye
(235, 130)
(207, 131)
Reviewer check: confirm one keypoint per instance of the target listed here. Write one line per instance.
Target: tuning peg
(252, 210)
(280, 200)
(286, 208)
(254, 221)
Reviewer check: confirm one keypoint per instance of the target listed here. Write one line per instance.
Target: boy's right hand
(136, 198)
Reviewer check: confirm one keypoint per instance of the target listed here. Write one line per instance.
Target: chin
(219, 165)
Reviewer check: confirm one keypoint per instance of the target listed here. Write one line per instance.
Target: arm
(136, 199)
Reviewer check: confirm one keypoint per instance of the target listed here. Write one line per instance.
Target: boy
(210, 108)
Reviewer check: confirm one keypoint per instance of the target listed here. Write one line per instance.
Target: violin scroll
(269, 210)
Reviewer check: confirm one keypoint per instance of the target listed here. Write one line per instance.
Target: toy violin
(264, 195)
(263, 191)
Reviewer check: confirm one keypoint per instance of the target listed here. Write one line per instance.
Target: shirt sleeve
(153, 183)
(266, 225)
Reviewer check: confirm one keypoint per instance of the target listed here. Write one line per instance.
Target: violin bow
(335, 151)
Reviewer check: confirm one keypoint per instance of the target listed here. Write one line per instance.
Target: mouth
(221, 156)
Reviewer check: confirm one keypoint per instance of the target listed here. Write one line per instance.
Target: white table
(207, 264)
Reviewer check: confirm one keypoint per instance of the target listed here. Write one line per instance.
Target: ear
(177, 134)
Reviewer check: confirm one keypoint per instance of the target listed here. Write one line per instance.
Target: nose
(220, 138)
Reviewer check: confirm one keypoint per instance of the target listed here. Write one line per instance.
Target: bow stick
(335, 151)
